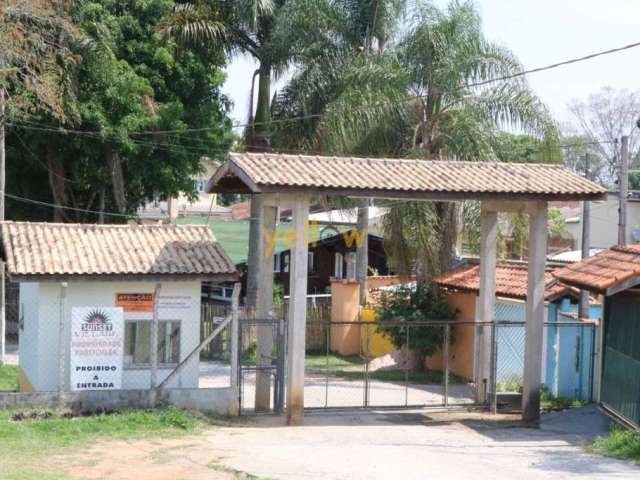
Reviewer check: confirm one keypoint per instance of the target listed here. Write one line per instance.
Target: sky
(539, 32)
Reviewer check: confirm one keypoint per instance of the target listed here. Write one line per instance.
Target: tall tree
(121, 141)
(418, 98)
(601, 120)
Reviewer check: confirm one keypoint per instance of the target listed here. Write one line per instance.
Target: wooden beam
(297, 312)
(534, 327)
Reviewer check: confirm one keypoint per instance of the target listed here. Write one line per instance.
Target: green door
(621, 371)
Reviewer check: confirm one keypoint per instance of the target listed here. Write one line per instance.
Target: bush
(419, 304)
(623, 444)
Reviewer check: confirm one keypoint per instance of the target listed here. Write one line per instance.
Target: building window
(311, 264)
(286, 263)
(350, 258)
(276, 263)
(137, 343)
(338, 264)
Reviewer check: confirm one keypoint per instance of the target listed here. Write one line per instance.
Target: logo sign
(135, 302)
(97, 339)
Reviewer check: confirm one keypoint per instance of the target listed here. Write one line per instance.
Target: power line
(404, 99)
(63, 207)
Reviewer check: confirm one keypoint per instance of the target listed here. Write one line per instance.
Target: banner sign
(135, 302)
(97, 341)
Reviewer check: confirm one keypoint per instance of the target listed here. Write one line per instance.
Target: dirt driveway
(382, 445)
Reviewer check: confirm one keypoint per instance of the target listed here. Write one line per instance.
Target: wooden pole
(583, 307)
(297, 312)
(235, 348)
(534, 327)
(624, 191)
(487, 298)
(153, 353)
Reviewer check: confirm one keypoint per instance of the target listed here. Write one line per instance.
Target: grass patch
(318, 362)
(351, 368)
(8, 378)
(27, 444)
(556, 404)
(623, 444)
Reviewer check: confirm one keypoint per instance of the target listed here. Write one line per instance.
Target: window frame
(161, 362)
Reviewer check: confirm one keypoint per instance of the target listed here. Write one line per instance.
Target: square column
(486, 299)
(534, 329)
(267, 219)
(297, 310)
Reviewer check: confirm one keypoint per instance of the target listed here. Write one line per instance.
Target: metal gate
(261, 361)
(368, 364)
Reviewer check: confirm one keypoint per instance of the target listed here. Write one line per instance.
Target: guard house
(90, 294)
(278, 180)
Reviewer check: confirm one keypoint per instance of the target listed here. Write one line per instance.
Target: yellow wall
(378, 343)
(461, 352)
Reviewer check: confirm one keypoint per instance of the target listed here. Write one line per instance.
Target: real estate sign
(97, 339)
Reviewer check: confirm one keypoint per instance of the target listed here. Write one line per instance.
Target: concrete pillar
(487, 298)
(534, 329)
(264, 303)
(297, 311)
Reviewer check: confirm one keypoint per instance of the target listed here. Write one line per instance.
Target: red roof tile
(511, 281)
(606, 269)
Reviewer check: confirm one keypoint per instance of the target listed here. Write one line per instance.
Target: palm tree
(435, 93)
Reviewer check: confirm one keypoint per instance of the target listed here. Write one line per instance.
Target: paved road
(418, 445)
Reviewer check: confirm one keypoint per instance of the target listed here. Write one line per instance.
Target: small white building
(128, 272)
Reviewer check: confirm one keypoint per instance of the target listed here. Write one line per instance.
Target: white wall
(604, 223)
(39, 339)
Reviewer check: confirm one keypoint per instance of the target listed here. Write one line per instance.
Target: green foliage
(623, 444)
(419, 304)
(527, 149)
(130, 84)
(8, 378)
(556, 223)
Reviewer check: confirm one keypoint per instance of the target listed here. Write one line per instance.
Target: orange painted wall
(462, 351)
(345, 307)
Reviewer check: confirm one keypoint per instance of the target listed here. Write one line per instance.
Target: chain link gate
(255, 369)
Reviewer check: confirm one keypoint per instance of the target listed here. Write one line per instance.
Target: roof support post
(534, 329)
(297, 310)
(486, 300)
(264, 301)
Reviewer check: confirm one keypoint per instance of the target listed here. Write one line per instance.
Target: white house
(89, 294)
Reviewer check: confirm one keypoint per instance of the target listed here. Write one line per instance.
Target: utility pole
(624, 191)
(583, 307)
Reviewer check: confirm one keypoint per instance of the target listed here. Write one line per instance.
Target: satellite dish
(636, 234)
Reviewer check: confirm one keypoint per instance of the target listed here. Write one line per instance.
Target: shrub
(419, 304)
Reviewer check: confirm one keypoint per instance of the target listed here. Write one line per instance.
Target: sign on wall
(97, 339)
(135, 302)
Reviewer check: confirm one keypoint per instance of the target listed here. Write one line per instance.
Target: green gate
(621, 370)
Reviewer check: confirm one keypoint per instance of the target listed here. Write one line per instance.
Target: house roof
(511, 281)
(233, 235)
(400, 178)
(609, 271)
(44, 251)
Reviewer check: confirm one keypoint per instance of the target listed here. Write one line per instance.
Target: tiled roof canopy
(511, 281)
(399, 178)
(41, 251)
(607, 272)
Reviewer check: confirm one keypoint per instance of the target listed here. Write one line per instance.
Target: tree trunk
(362, 250)
(114, 162)
(259, 143)
(56, 181)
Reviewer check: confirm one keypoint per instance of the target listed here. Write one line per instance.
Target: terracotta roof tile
(41, 249)
(511, 281)
(263, 172)
(606, 269)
